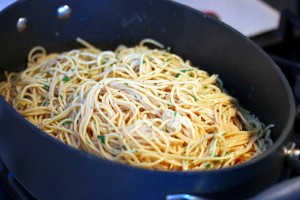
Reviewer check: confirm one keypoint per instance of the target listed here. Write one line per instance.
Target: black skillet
(51, 170)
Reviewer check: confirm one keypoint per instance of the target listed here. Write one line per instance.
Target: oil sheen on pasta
(144, 107)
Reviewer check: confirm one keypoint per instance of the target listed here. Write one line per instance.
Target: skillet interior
(245, 70)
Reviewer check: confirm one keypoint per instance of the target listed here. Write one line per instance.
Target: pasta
(136, 105)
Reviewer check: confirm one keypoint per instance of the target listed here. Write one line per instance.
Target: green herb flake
(134, 151)
(46, 87)
(195, 98)
(191, 74)
(186, 70)
(44, 103)
(61, 96)
(68, 122)
(162, 129)
(126, 83)
(207, 165)
(168, 49)
(66, 79)
(168, 59)
(205, 87)
(102, 138)
(177, 75)
(175, 113)
(144, 61)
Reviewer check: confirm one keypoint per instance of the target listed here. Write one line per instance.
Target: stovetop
(282, 44)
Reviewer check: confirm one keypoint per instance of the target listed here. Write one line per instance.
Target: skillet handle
(286, 190)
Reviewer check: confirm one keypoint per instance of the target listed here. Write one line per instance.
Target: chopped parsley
(191, 75)
(102, 138)
(126, 83)
(168, 49)
(144, 61)
(186, 70)
(46, 87)
(66, 79)
(68, 122)
(44, 103)
(177, 75)
(207, 165)
(134, 151)
(168, 59)
(195, 98)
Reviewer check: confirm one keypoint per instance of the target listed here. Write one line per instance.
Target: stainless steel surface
(22, 24)
(64, 12)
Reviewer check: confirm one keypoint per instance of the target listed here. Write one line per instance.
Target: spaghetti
(140, 106)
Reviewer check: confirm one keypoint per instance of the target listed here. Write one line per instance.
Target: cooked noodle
(140, 106)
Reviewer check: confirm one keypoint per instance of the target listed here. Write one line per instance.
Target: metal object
(36, 165)
(292, 151)
(22, 24)
(64, 12)
(293, 157)
(183, 197)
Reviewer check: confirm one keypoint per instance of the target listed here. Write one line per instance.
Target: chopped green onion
(102, 138)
